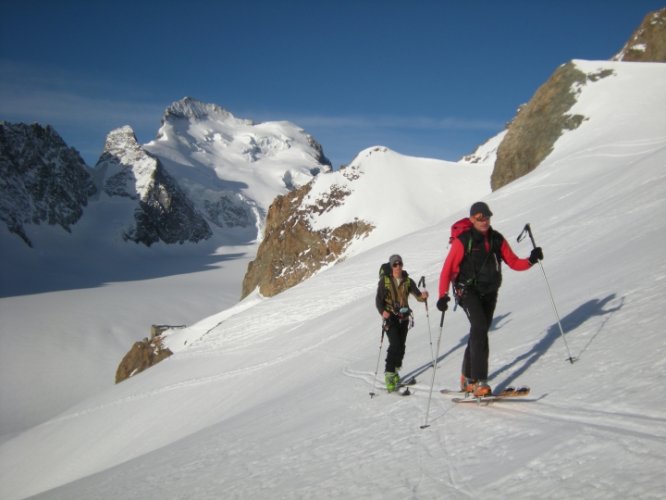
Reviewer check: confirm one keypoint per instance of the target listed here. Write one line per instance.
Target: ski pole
(422, 281)
(434, 370)
(374, 384)
(527, 229)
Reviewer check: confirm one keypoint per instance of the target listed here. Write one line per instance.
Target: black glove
(442, 303)
(536, 255)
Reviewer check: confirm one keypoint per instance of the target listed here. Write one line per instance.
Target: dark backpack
(385, 270)
(460, 229)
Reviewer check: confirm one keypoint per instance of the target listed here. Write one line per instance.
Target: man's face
(397, 268)
(481, 223)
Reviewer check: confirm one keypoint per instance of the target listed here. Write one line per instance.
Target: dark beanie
(480, 208)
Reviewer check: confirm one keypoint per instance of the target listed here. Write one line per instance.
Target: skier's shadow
(590, 309)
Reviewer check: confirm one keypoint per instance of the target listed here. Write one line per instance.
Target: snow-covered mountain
(269, 398)
(161, 211)
(207, 174)
(233, 168)
(138, 200)
(344, 213)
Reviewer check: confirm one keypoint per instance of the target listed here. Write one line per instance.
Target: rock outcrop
(142, 355)
(291, 250)
(538, 124)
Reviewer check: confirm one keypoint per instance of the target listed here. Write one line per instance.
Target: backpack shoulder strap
(389, 283)
(466, 240)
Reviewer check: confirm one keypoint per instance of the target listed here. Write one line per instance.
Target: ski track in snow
(597, 430)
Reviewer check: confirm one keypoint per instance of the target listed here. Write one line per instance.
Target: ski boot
(482, 389)
(391, 379)
(466, 384)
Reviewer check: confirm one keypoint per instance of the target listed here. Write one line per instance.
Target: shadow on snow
(520, 365)
(573, 320)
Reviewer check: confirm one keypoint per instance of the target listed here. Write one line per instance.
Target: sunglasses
(481, 218)
(396, 264)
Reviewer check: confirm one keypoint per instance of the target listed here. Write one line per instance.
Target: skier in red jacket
(473, 265)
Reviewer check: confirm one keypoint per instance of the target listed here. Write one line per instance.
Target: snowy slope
(269, 398)
(100, 296)
(396, 194)
(486, 153)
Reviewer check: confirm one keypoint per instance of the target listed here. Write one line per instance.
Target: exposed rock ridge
(648, 42)
(532, 134)
(41, 179)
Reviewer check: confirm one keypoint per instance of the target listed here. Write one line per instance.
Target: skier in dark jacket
(392, 303)
(473, 265)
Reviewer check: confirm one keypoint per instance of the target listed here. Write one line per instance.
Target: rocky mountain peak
(648, 42)
(233, 168)
(43, 180)
(124, 167)
(120, 139)
(163, 212)
(192, 109)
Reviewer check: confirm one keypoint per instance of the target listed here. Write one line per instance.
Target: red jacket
(451, 266)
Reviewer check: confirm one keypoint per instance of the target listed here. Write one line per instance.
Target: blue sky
(425, 78)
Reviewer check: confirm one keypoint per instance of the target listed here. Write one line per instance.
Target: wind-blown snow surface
(269, 399)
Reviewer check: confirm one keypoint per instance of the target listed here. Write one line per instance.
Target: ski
(409, 381)
(402, 389)
(509, 393)
(399, 391)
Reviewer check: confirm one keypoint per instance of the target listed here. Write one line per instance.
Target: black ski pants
(479, 310)
(397, 336)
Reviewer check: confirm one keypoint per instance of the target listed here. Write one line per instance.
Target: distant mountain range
(210, 175)
(207, 174)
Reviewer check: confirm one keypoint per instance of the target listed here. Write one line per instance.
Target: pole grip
(527, 229)
(441, 321)
(422, 282)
